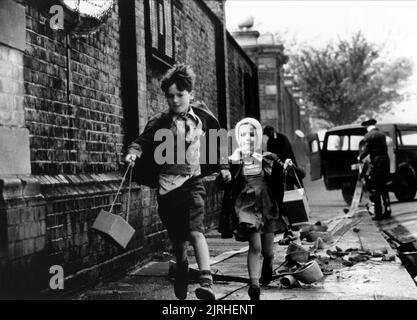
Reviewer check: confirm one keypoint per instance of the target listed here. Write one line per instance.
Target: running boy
(181, 191)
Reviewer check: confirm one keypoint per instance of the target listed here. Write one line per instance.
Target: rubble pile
(330, 261)
(337, 259)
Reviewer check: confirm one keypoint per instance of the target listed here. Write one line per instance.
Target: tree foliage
(349, 80)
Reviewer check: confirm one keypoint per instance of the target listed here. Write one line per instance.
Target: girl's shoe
(254, 292)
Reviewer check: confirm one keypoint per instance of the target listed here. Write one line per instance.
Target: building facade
(279, 103)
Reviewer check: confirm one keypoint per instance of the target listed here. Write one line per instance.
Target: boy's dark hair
(182, 75)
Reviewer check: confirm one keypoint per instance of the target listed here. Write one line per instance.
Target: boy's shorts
(182, 210)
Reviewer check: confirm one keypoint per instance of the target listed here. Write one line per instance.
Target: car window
(314, 146)
(337, 143)
(408, 138)
(354, 142)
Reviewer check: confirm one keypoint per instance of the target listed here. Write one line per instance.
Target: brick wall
(51, 226)
(218, 7)
(141, 64)
(77, 129)
(239, 65)
(195, 45)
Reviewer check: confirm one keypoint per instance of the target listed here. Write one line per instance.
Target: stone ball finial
(247, 23)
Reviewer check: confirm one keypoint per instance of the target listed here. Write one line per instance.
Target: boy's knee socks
(205, 291)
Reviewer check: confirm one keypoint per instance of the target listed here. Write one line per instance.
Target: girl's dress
(255, 207)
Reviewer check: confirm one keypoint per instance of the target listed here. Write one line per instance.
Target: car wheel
(405, 184)
(347, 192)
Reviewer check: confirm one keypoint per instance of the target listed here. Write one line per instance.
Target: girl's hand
(270, 156)
(226, 176)
(288, 164)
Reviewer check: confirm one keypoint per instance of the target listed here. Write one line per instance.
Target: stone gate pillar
(14, 137)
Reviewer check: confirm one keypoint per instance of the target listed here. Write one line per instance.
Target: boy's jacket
(146, 170)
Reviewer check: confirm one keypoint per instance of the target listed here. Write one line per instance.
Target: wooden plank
(356, 196)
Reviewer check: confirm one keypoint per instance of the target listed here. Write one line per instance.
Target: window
(314, 146)
(408, 138)
(160, 31)
(344, 143)
(337, 143)
(271, 90)
(354, 142)
(267, 62)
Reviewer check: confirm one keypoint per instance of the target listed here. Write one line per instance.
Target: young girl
(255, 210)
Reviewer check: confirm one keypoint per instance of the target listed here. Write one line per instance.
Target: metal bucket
(298, 256)
(288, 282)
(114, 227)
(309, 273)
(314, 235)
(296, 253)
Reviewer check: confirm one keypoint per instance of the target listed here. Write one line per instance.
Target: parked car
(335, 160)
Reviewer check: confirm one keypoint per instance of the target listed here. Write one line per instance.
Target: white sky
(389, 23)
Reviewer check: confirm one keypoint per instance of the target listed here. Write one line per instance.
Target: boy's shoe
(254, 292)
(205, 291)
(387, 214)
(181, 280)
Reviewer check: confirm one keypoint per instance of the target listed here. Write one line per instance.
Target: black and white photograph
(208, 154)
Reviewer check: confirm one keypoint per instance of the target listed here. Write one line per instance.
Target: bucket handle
(129, 168)
(294, 273)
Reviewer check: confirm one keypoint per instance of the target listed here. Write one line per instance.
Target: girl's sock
(254, 282)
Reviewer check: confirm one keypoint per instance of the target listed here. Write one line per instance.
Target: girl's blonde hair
(258, 131)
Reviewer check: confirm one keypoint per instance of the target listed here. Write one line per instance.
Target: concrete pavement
(369, 280)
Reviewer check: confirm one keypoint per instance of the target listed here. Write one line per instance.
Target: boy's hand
(131, 158)
(288, 164)
(226, 176)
